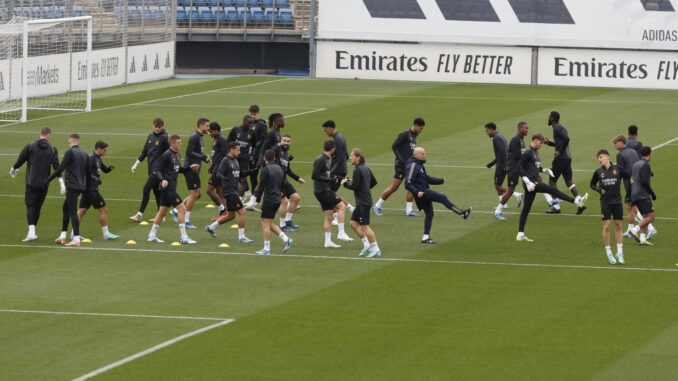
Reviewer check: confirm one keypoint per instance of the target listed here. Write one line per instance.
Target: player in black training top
(260, 132)
(195, 154)
(75, 162)
(607, 180)
(156, 145)
(228, 175)
(290, 196)
(361, 184)
(245, 136)
(562, 162)
(530, 166)
(219, 150)
(276, 121)
(39, 156)
(339, 170)
(402, 147)
(322, 188)
(501, 156)
(92, 197)
(642, 195)
(417, 182)
(632, 142)
(271, 191)
(169, 167)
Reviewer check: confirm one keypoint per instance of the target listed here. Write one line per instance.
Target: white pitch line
(664, 144)
(379, 259)
(447, 97)
(111, 315)
(149, 101)
(151, 350)
(307, 112)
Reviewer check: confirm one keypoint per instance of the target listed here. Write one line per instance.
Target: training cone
(131, 242)
(86, 240)
(234, 226)
(175, 243)
(210, 206)
(224, 245)
(143, 223)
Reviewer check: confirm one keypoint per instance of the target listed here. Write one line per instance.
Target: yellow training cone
(224, 245)
(86, 240)
(143, 223)
(131, 242)
(210, 206)
(234, 226)
(175, 243)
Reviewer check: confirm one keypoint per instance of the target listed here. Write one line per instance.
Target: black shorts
(93, 199)
(499, 176)
(35, 196)
(627, 187)
(269, 209)
(288, 189)
(561, 167)
(328, 200)
(214, 180)
(613, 211)
(244, 164)
(192, 180)
(399, 172)
(170, 197)
(361, 214)
(644, 206)
(513, 178)
(233, 202)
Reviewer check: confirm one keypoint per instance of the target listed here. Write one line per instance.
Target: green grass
(477, 306)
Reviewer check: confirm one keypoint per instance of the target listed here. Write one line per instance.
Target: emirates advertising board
(627, 24)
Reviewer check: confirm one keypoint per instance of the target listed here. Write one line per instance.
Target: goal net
(44, 66)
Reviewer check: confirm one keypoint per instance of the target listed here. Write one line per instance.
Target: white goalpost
(47, 65)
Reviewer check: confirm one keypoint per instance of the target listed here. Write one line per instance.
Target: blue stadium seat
(206, 15)
(184, 3)
(267, 3)
(159, 14)
(60, 12)
(35, 12)
(194, 15)
(77, 11)
(220, 15)
(285, 16)
(213, 3)
(258, 16)
(181, 15)
(271, 15)
(244, 14)
(133, 15)
(253, 3)
(200, 3)
(232, 16)
(226, 3)
(282, 4)
(239, 3)
(3, 14)
(134, 3)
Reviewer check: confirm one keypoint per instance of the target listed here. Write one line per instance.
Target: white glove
(12, 172)
(529, 184)
(136, 164)
(548, 170)
(62, 186)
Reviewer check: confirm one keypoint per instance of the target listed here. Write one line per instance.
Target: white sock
(182, 229)
(366, 243)
(608, 250)
(188, 216)
(620, 248)
(139, 214)
(629, 228)
(214, 225)
(642, 237)
(517, 194)
(72, 233)
(650, 226)
(557, 206)
(283, 236)
(501, 196)
(288, 217)
(521, 234)
(267, 245)
(105, 229)
(379, 203)
(408, 207)
(221, 207)
(335, 216)
(154, 230)
(62, 235)
(425, 237)
(252, 201)
(282, 222)
(500, 207)
(636, 229)
(328, 237)
(248, 194)
(31, 229)
(341, 229)
(76, 238)
(548, 197)
(241, 233)
(374, 246)
(350, 207)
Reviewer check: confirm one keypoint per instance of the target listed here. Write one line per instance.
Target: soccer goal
(45, 65)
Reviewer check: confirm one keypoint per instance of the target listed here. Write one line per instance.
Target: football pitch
(478, 305)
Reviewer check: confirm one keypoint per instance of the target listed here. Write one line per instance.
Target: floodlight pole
(311, 40)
